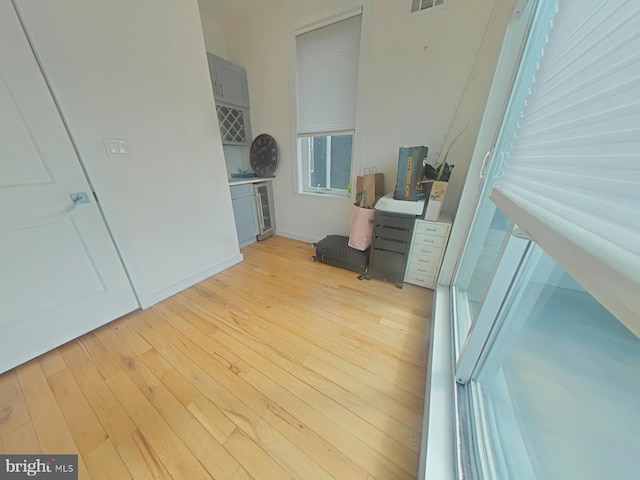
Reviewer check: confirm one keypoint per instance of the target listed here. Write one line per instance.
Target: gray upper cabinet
(231, 92)
(229, 82)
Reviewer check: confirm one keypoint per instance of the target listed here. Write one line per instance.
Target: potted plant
(438, 176)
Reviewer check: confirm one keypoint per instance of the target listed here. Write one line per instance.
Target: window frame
(309, 21)
(550, 236)
(306, 158)
(439, 457)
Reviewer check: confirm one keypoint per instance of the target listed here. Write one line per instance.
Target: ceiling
(225, 10)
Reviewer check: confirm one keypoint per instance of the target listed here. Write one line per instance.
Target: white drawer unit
(427, 250)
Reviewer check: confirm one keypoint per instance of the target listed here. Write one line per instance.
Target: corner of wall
(471, 105)
(214, 35)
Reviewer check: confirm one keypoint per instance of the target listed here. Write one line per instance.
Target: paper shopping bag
(369, 188)
(436, 198)
(361, 231)
(411, 162)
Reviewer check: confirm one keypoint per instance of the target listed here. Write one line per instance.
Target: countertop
(241, 181)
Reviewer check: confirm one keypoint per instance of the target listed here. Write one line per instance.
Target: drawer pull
(421, 270)
(425, 251)
(421, 260)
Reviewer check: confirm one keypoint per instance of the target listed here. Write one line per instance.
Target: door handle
(77, 198)
(485, 164)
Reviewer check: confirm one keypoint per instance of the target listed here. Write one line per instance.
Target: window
(560, 384)
(544, 298)
(327, 59)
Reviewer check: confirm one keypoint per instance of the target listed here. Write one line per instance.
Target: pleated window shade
(327, 76)
(572, 170)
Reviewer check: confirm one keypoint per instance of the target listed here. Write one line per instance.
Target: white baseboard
(297, 236)
(190, 281)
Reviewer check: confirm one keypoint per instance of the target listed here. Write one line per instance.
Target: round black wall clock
(264, 155)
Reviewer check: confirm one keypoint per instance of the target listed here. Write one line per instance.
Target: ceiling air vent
(425, 5)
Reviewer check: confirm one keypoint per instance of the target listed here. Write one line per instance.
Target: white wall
(236, 157)
(213, 31)
(137, 71)
(470, 108)
(417, 69)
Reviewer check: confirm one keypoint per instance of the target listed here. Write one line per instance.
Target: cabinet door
(231, 82)
(235, 125)
(246, 216)
(212, 73)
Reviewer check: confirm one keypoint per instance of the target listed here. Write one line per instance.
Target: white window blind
(327, 77)
(572, 173)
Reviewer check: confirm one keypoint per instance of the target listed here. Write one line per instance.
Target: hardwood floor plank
(411, 379)
(257, 414)
(52, 363)
(277, 367)
(397, 390)
(253, 458)
(401, 327)
(140, 459)
(242, 474)
(193, 318)
(286, 453)
(130, 338)
(104, 463)
(48, 422)
(349, 442)
(211, 418)
(295, 261)
(140, 323)
(204, 298)
(102, 361)
(292, 347)
(278, 318)
(411, 305)
(355, 447)
(255, 354)
(24, 440)
(370, 325)
(85, 427)
(378, 439)
(326, 322)
(104, 403)
(387, 400)
(321, 330)
(14, 413)
(165, 443)
(204, 446)
(169, 376)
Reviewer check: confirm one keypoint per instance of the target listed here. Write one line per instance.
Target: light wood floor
(277, 368)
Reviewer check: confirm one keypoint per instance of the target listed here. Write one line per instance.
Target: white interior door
(60, 274)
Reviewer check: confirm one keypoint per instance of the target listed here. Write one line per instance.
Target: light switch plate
(116, 147)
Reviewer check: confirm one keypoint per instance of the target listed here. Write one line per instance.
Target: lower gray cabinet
(390, 246)
(245, 213)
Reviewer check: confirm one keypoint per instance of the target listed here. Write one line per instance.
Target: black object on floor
(392, 233)
(335, 250)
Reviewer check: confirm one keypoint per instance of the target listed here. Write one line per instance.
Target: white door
(60, 274)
